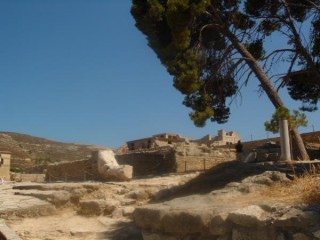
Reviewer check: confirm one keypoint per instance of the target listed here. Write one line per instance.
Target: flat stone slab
(10, 203)
(6, 232)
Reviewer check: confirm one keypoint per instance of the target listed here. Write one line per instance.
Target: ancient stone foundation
(21, 177)
(150, 162)
(175, 160)
(142, 163)
(100, 167)
(82, 170)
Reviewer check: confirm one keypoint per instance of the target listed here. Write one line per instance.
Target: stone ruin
(267, 152)
(102, 166)
(106, 166)
(172, 140)
(109, 169)
(178, 158)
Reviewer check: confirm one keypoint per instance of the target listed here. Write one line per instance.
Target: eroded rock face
(219, 215)
(109, 169)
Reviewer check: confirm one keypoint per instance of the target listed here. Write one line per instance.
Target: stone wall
(22, 177)
(197, 159)
(144, 162)
(196, 163)
(179, 159)
(82, 170)
(149, 162)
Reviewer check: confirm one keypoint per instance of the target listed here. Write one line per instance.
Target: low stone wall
(82, 170)
(22, 177)
(170, 160)
(149, 162)
(185, 163)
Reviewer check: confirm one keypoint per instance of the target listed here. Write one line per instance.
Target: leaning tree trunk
(268, 88)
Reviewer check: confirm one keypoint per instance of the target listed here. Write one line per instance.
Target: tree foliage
(291, 18)
(295, 120)
(212, 48)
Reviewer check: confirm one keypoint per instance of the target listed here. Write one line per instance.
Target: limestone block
(76, 194)
(250, 216)
(149, 217)
(117, 213)
(258, 182)
(106, 159)
(139, 195)
(298, 218)
(97, 207)
(185, 222)
(122, 173)
(109, 169)
(243, 234)
(127, 211)
(218, 225)
(6, 232)
(60, 198)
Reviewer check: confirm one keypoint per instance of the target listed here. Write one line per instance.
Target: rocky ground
(233, 201)
(87, 210)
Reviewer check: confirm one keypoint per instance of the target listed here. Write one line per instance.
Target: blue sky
(79, 71)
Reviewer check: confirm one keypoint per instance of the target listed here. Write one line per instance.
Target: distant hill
(27, 150)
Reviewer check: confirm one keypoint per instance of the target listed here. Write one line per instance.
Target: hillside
(27, 150)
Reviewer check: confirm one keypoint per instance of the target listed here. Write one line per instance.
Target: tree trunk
(268, 88)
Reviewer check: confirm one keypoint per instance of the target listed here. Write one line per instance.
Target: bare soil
(68, 225)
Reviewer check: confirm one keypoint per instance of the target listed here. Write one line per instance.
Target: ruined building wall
(82, 170)
(179, 159)
(225, 138)
(197, 161)
(158, 161)
(149, 162)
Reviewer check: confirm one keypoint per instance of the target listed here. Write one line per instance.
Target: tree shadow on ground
(122, 231)
(217, 178)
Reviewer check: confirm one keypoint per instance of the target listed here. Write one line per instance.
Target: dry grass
(309, 187)
(303, 189)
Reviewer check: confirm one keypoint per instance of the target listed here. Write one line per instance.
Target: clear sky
(79, 71)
